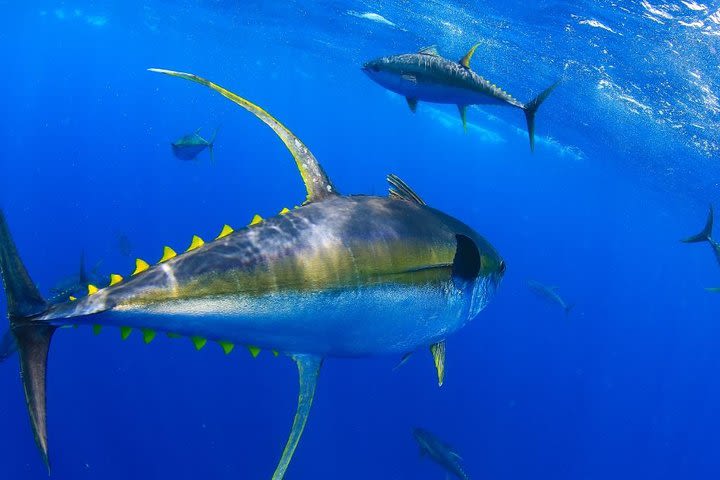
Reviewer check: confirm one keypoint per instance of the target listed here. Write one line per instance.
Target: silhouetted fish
(549, 293)
(440, 452)
(189, 146)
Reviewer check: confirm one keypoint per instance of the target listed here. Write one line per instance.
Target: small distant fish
(706, 236)
(189, 146)
(429, 77)
(124, 245)
(374, 17)
(440, 452)
(549, 293)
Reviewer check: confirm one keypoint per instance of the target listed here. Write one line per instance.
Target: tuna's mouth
(367, 68)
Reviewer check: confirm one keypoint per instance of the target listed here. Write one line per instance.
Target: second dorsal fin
(465, 61)
(317, 183)
(401, 190)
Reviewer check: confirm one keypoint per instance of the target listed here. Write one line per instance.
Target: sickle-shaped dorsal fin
(317, 183)
(465, 61)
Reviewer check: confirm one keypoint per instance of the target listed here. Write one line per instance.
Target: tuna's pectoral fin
(463, 110)
(438, 352)
(308, 370)
(412, 103)
(403, 360)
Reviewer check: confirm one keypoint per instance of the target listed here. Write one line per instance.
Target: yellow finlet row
(168, 253)
(199, 342)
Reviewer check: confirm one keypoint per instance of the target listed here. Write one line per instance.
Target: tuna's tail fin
(531, 107)
(32, 338)
(568, 309)
(706, 233)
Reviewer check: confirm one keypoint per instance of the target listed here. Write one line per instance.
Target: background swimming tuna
(625, 166)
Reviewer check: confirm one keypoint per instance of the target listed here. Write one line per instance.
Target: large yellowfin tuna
(428, 77)
(342, 276)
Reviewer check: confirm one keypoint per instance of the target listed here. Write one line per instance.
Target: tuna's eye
(375, 68)
(501, 267)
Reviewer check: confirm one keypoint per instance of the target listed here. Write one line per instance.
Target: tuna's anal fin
(412, 103)
(463, 110)
(438, 352)
(317, 183)
(308, 371)
(465, 61)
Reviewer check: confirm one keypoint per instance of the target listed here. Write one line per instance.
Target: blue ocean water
(626, 386)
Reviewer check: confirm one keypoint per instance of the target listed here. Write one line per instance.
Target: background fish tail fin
(706, 233)
(214, 135)
(308, 371)
(211, 145)
(32, 338)
(531, 108)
